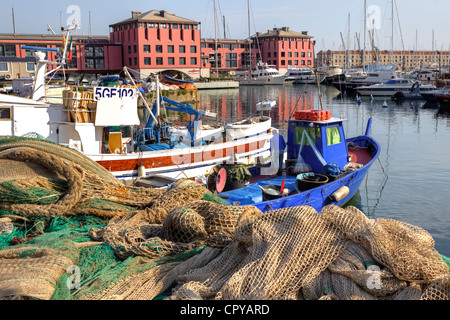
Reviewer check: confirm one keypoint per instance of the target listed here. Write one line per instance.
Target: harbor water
(410, 182)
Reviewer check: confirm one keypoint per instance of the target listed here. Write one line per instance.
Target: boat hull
(317, 198)
(262, 82)
(185, 162)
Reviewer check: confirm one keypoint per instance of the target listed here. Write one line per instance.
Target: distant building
(91, 54)
(283, 47)
(407, 60)
(158, 41)
(232, 57)
(155, 41)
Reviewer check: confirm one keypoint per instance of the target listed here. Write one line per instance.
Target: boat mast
(249, 39)
(392, 33)
(364, 44)
(215, 39)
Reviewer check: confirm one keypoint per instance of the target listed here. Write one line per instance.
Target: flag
(64, 42)
(70, 51)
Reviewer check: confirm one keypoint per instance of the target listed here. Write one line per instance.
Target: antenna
(13, 21)
(49, 28)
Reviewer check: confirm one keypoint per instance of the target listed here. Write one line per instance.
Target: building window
(151, 25)
(186, 27)
(129, 49)
(182, 61)
(193, 61)
(231, 60)
(159, 61)
(147, 61)
(193, 49)
(135, 61)
(94, 57)
(159, 49)
(146, 48)
(7, 50)
(170, 61)
(163, 26)
(90, 64)
(170, 49)
(129, 61)
(135, 49)
(31, 66)
(182, 49)
(3, 67)
(5, 113)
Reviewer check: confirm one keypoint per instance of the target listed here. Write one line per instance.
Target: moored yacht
(300, 76)
(369, 79)
(264, 74)
(393, 87)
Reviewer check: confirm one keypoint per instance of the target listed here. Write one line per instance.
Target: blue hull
(316, 198)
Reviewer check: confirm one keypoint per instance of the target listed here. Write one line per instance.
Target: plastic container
(310, 182)
(313, 115)
(272, 192)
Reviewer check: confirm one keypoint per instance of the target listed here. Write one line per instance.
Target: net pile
(70, 231)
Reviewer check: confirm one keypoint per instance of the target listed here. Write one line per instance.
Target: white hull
(279, 80)
(388, 92)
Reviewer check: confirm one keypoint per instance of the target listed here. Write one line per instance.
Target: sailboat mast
(249, 39)
(215, 39)
(392, 33)
(364, 44)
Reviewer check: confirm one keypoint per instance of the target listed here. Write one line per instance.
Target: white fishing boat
(103, 123)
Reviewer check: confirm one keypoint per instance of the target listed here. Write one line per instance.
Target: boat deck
(252, 193)
(360, 155)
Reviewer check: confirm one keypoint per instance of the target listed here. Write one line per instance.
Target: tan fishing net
(69, 230)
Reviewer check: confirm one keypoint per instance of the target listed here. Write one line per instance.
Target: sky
(416, 22)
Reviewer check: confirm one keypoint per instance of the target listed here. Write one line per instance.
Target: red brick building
(91, 54)
(282, 47)
(232, 56)
(157, 41)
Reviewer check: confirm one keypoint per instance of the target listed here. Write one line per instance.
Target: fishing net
(70, 231)
(339, 254)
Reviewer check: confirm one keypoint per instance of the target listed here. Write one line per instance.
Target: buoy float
(141, 170)
(340, 194)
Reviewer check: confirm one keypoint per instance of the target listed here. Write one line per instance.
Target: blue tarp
(252, 193)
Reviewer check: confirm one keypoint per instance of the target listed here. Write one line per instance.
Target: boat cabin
(320, 142)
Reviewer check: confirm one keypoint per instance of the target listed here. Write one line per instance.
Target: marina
(136, 167)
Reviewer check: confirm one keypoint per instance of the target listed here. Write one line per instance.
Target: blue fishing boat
(323, 167)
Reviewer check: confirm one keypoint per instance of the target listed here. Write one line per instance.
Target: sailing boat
(264, 74)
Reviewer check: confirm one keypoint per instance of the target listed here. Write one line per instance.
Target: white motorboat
(392, 87)
(264, 74)
(300, 76)
(368, 78)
